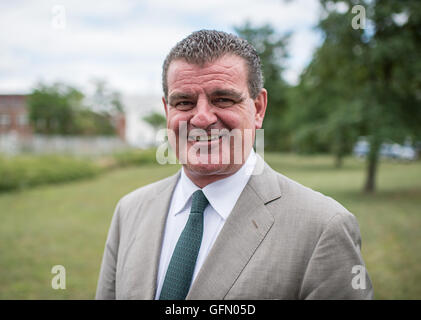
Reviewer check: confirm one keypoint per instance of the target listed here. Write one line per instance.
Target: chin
(209, 169)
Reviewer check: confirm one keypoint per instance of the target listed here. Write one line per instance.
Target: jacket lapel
(243, 231)
(143, 258)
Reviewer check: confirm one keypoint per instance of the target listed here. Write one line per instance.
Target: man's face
(212, 100)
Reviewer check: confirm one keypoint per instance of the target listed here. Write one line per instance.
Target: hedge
(24, 171)
(135, 157)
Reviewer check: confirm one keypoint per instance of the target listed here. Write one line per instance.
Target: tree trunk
(338, 148)
(338, 160)
(372, 164)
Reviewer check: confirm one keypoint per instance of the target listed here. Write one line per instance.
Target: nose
(204, 116)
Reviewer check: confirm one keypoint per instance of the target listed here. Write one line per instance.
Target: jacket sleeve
(336, 269)
(107, 276)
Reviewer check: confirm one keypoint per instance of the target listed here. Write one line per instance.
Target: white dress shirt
(222, 196)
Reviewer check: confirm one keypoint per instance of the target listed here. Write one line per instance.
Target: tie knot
(199, 202)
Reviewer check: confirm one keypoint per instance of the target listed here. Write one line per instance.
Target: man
(213, 230)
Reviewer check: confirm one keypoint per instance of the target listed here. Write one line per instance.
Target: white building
(138, 132)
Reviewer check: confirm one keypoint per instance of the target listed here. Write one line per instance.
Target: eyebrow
(180, 96)
(215, 93)
(227, 93)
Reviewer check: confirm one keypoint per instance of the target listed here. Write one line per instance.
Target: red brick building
(119, 123)
(14, 116)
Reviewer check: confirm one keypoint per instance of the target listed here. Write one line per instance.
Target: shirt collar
(222, 194)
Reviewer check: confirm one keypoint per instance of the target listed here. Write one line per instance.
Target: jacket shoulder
(307, 205)
(145, 193)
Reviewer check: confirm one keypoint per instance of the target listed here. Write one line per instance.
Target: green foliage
(106, 99)
(361, 82)
(327, 108)
(26, 171)
(52, 108)
(271, 48)
(393, 56)
(156, 120)
(90, 123)
(135, 157)
(61, 109)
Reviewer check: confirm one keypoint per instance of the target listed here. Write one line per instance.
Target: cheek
(239, 119)
(175, 118)
(230, 118)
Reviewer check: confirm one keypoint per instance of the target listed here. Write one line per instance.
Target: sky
(125, 42)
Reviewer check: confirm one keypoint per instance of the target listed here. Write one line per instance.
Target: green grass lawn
(67, 224)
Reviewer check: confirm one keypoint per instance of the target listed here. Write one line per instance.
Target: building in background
(14, 116)
(17, 134)
(130, 127)
(139, 133)
(119, 123)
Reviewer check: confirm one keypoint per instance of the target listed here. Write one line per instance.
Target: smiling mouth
(213, 137)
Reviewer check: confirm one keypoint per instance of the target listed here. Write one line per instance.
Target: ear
(165, 106)
(260, 104)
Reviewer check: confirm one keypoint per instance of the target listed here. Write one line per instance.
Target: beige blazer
(281, 241)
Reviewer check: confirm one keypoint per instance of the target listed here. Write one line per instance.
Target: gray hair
(206, 46)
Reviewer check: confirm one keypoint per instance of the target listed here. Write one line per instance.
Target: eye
(184, 105)
(223, 102)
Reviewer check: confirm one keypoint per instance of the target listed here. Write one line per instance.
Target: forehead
(228, 72)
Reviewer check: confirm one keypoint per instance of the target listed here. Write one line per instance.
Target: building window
(4, 120)
(22, 120)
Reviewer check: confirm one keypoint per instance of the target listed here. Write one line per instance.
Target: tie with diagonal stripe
(183, 261)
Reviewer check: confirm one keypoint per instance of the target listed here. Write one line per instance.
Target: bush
(135, 157)
(25, 171)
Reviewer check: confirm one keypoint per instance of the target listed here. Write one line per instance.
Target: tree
(156, 120)
(52, 108)
(89, 123)
(271, 48)
(327, 112)
(105, 99)
(365, 81)
(61, 109)
(393, 87)
(105, 106)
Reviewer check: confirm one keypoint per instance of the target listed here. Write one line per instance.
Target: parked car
(408, 153)
(387, 150)
(361, 149)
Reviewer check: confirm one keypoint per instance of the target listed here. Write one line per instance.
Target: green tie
(180, 270)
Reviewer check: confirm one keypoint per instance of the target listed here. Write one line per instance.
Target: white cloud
(126, 41)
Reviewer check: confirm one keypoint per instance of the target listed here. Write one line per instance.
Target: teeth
(204, 138)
